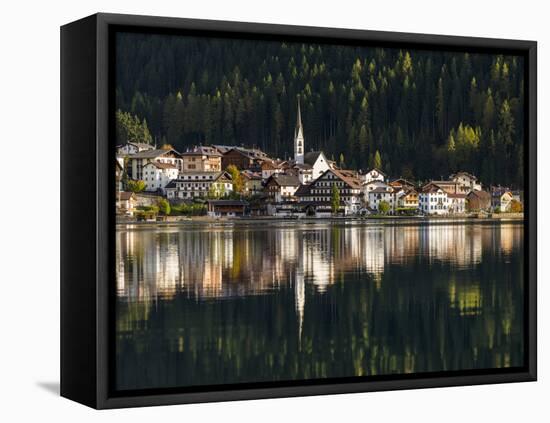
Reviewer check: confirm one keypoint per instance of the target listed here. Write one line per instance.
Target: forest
(419, 114)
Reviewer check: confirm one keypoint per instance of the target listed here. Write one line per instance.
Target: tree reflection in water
(211, 304)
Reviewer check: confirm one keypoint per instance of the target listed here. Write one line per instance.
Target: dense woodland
(427, 113)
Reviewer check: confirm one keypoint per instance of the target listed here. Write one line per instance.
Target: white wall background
(29, 225)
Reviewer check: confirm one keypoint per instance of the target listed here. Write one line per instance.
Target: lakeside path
(355, 221)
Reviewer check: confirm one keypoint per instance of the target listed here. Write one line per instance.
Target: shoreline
(367, 221)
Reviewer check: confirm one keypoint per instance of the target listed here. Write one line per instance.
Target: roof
(377, 170)
(152, 154)
(202, 172)
(202, 151)
(409, 190)
(501, 193)
(380, 190)
(284, 180)
(469, 175)
(456, 195)
(251, 175)
(302, 190)
(431, 187)
(375, 182)
(228, 202)
(443, 182)
(298, 119)
(216, 176)
(125, 195)
(484, 195)
(161, 165)
(252, 153)
(402, 181)
(270, 165)
(303, 166)
(142, 145)
(346, 177)
(171, 184)
(348, 173)
(223, 148)
(311, 157)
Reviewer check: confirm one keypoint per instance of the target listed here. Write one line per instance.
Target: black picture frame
(87, 232)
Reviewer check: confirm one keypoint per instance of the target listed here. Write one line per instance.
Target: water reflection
(213, 303)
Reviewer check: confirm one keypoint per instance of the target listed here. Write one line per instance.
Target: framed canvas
(256, 211)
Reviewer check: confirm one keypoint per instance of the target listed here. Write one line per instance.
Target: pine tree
(335, 199)
(377, 161)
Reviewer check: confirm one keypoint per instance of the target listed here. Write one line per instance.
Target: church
(309, 165)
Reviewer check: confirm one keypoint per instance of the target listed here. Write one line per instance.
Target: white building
(466, 181)
(281, 187)
(191, 185)
(367, 187)
(305, 173)
(133, 148)
(299, 143)
(405, 198)
(501, 198)
(381, 194)
(271, 167)
(139, 160)
(317, 196)
(456, 203)
(318, 163)
(373, 175)
(157, 175)
(433, 200)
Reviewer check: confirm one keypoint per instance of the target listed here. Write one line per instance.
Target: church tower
(299, 138)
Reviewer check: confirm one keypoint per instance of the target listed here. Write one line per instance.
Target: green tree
(342, 162)
(131, 129)
(377, 161)
(384, 207)
(135, 185)
(164, 206)
(236, 179)
(408, 102)
(335, 199)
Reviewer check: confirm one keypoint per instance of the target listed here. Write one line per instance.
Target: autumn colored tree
(236, 179)
(135, 186)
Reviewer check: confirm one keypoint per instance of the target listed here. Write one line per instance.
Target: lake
(217, 303)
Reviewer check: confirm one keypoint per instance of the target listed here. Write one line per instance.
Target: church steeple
(299, 138)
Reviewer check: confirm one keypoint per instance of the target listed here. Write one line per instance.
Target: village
(226, 181)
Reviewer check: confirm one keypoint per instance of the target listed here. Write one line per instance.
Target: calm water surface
(204, 304)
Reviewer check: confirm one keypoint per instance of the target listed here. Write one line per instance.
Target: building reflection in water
(221, 262)
(226, 262)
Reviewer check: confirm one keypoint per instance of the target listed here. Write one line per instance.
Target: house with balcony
(316, 198)
(281, 187)
(202, 159)
(191, 185)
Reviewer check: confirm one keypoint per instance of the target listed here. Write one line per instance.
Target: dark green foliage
(384, 207)
(335, 199)
(131, 129)
(189, 209)
(135, 186)
(164, 206)
(407, 105)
